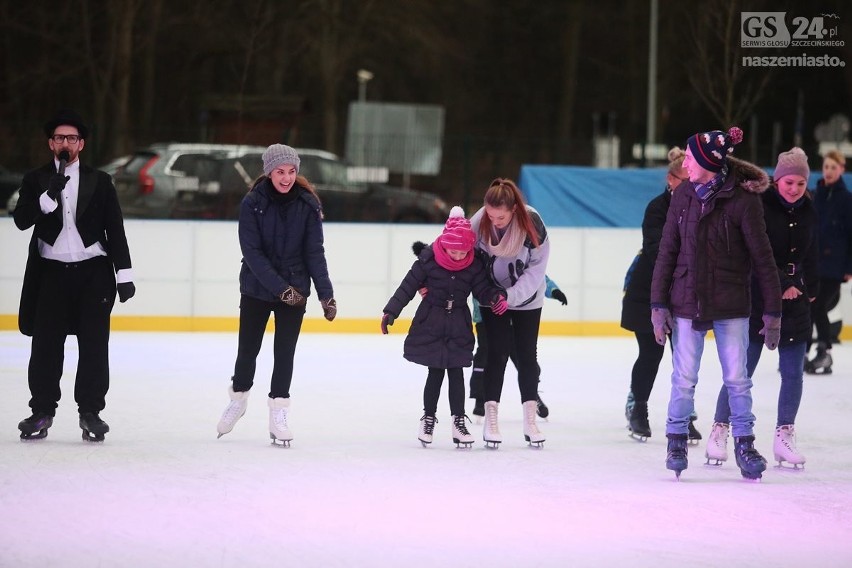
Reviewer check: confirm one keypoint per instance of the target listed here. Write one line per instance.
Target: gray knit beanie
(279, 155)
(792, 162)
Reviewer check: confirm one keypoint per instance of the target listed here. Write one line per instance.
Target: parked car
(149, 182)
(9, 183)
(342, 198)
(109, 168)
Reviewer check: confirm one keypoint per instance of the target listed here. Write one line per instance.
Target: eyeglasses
(60, 138)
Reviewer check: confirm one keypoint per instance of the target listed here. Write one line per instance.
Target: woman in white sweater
(513, 237)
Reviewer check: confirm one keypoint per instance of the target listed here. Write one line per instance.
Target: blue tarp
(577, 196)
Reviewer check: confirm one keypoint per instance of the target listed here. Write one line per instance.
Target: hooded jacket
(709, 250)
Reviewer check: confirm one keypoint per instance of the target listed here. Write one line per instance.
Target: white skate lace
(232, 412)
(279, 418)
(533, 427)
(491, 419)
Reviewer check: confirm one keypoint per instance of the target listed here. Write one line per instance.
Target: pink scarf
(444, 260)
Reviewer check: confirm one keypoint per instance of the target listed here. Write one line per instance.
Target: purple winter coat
(709, 250)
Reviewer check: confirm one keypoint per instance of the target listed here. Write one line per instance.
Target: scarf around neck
(707, 191)
(444, 260)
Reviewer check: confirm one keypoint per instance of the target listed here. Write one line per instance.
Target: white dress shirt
(69, 244)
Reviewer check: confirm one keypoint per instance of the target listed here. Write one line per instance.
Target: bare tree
(714, 64)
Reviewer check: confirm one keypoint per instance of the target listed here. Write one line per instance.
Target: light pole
(364, 77)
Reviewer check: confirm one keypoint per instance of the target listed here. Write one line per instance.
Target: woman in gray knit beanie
(281, 239)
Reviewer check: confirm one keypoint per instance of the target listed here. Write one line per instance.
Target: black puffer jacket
(636, 305)
(709, 251)
(440, 337)
(792, 230)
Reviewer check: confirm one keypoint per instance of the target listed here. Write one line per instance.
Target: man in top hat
(78, 260)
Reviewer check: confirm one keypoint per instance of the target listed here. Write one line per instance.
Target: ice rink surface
(357, 489)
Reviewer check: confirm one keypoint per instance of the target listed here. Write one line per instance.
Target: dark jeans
(73, 299)
(455, 388)
(520, 327)
(254, 314)
(646, 366)
(791, 360)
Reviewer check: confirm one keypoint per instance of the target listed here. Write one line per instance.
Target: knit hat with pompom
(457, 233)
(711, 149)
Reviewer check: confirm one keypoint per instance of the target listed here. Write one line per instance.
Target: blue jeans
(791, 360)
(687, 348)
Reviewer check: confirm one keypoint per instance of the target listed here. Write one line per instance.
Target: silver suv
(152, 180)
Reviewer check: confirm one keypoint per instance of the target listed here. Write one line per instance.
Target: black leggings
(829, 292)
(520, 326)
(646, 366)
(254, 314)
(432, 390)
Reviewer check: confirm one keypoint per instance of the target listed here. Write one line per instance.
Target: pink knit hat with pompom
(457, 233)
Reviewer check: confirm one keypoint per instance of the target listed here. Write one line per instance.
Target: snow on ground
(357, 489)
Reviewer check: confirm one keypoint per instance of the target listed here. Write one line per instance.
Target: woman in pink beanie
(791, 222)
(441, 334)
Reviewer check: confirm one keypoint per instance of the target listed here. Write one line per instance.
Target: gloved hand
(387, 319)
(557, 294)
(499, 305)
(329, 308)
(56, 184)
(126, 290)
(663, 323)
(771, 331)
(292, 297)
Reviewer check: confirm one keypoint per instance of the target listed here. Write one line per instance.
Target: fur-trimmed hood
(748, 176)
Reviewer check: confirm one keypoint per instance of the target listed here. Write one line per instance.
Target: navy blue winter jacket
(834, 209)
(282, 244)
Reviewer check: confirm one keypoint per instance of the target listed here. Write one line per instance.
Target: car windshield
(320, 170)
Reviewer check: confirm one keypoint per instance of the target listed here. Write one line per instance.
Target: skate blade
(638, 437)
(492, 445)
(278, 442)
(717, 462)
(89, 437)
(40, 435)
(462, 445)
(790, 466)
(424, 443)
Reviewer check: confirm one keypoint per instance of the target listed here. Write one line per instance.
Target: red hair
(504, 193)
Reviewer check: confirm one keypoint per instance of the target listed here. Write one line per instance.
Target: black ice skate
(479, 407)
(640, 429)
(35, 427)
(676, 458)
(694, 435)
(541, 408)
(821, 364)
(93, 427)
(749, 460)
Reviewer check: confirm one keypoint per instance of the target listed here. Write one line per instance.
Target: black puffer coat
(440, 337)
(710, 250)
(636, 305)
(792, 231)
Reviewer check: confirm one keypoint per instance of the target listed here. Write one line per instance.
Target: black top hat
(66, 116)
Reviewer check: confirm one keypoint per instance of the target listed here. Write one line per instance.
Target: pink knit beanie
(457, 233)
